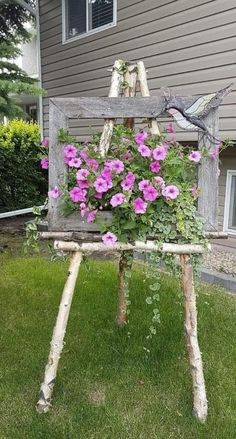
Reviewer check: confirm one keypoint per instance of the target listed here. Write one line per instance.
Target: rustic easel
(68, 240)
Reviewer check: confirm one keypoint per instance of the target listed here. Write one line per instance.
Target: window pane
(232, 207)
(100, 13)
(76, 17)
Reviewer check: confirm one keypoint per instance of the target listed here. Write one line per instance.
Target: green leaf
(155, 287)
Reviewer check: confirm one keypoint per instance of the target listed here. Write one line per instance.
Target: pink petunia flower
(139, 205)
(117, 199)
(70, 151)
(127, 156)
(74, 162)
(115, 165)
(194, 191)
(54, 193)
(130, 177)
(106, 174)
(170, 128)
(44, 162)
(83, 209)
(144, 151)
(78, 195)
(128, 183)
(45, 142)
(166, 145)
(159, 181)
(155, 167)
(98, 195)
(214, 153)
(195, 156)
(109, 239)
(83, 154)
(159, 153)
(141, 137)
(93, 164)
(170, 192)
(83, 184)
(143, 185)
(92, 216)
(150, 193)
(82, 174)
(101, 185)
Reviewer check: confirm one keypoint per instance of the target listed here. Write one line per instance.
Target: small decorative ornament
(192, 117)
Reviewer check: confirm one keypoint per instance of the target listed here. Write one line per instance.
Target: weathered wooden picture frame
(62, 109)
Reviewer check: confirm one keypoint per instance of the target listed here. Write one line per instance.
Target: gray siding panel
(188, 45)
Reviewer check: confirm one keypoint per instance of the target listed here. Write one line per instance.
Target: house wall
(187, 45)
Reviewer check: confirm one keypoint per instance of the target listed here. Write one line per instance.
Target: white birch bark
(109, 123)
(71, 235)
(130, 91)
(142, 76)
(195, 359)
(44, 402)
(121, 309)
(138, 245)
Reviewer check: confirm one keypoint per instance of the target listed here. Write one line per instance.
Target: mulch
(14, 225)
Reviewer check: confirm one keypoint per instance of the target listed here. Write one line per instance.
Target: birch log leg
(142, 76)
(199, 391)
(109, 123)
(44, 402)
(130, 91)
(125, 264)
(121, 311)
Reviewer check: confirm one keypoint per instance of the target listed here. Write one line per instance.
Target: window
(84, 17)
(230, 203)
(31, 110)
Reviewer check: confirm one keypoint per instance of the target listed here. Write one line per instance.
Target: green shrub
(22, 182)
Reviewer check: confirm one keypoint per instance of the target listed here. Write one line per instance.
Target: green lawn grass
(106, 388)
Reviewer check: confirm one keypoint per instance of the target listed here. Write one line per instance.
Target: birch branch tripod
(61, 228)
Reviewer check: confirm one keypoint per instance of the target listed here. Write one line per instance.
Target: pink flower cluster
(44, 162)
(117, 183)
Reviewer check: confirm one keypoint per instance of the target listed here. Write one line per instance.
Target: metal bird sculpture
(192, 117)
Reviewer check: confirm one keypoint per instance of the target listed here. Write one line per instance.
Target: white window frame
(230, 174)
(66, 40)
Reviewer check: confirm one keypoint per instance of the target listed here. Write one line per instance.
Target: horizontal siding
(147, 26)
(187, 45)
(211, 64)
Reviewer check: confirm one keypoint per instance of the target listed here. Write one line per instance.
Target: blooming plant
(147, 182)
